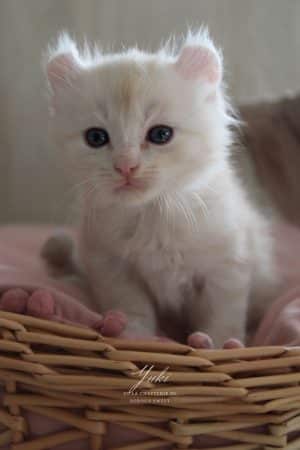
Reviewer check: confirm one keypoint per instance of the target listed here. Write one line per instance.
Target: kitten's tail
(58, 253)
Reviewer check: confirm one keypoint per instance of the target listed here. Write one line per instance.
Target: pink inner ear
(61, 69)
(199, 63)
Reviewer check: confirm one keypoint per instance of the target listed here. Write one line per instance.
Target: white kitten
(165, 226)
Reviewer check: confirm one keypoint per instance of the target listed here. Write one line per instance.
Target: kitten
(166, 228)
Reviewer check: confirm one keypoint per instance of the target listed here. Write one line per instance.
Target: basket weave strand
(178, 397)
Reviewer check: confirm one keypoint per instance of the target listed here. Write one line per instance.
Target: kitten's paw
(203, 340)
(38, 304)
(112, 324)
(233, 343)
(200, 340)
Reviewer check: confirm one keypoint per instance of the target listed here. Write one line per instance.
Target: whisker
(202, 204)
(187, 212)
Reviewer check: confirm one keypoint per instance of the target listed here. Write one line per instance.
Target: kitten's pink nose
(126, 169)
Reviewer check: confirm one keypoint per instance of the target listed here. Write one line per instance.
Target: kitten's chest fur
(170, 255)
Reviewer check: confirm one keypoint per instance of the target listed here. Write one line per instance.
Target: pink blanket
(22, 270)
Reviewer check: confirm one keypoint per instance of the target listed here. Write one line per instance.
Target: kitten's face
(136, 127)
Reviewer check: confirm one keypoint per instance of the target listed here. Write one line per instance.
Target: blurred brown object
(271, 136)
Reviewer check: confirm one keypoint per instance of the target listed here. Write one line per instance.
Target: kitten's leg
(219, 312)
(135, 304)
(121, 300)
(115, 288)
(60, 254)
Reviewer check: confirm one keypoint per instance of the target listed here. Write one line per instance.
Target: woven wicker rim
(187, 393)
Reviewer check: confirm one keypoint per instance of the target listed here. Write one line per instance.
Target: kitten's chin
(129, 188)
(133, 194)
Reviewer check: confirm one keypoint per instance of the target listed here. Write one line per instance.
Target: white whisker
(187, 212)
(202, 204)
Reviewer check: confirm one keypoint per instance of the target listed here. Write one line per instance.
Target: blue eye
(96, 137)
(160, 134)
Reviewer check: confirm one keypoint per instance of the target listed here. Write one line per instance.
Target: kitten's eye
(160, 134)
(96, 137)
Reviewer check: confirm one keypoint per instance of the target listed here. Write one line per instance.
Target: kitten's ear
(61, 70)
(199, 60)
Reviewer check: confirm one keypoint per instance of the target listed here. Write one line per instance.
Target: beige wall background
(260, 40)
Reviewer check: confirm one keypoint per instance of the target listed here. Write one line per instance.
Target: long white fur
(188, 242)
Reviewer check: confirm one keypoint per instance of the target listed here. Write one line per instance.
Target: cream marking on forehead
(128, 87)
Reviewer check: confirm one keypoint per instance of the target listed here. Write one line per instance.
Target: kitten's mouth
(129, 185)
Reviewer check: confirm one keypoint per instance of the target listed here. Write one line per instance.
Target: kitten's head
(135, 126)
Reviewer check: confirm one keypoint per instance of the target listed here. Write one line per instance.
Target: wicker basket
(170, 392)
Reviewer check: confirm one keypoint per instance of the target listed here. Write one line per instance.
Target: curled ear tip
(200, 62)
(62, 59)
(60, 68)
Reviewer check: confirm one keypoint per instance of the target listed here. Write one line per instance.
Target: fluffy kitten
(166, 228)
